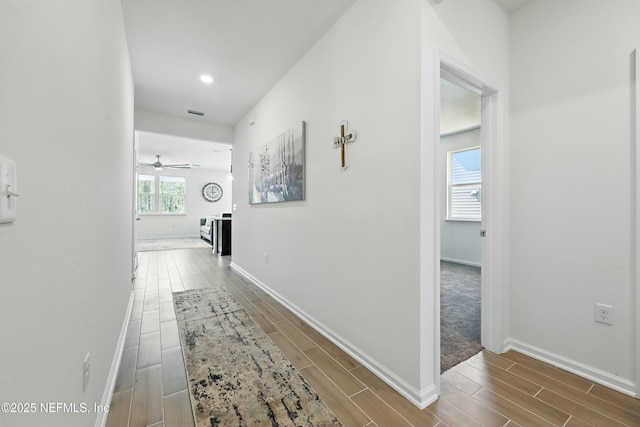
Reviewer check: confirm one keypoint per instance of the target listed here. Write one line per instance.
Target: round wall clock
(212, 192)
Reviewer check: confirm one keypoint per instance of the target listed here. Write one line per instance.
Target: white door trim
(136, 217)
(635, 219)
(441, 64)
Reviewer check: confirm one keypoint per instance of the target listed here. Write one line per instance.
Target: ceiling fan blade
(180, 165)
(176, 167)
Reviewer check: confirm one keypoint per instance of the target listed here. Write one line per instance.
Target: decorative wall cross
(341, 141)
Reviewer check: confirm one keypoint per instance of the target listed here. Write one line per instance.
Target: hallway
(487, 389)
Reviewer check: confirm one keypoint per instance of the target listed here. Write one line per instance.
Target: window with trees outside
(173, 195)
(162, 194)
(146, 194)
(465, 185)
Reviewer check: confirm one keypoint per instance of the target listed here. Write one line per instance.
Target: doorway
(136, 218)
(460, 169)
(171, 192)
(436, 66)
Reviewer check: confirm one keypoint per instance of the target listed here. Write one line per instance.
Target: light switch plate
(8, 205)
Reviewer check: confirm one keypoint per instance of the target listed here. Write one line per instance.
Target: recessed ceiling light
(206, 78)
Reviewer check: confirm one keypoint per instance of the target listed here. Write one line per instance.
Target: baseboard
(101, 420)
(420, 398)
(459, 261)
(589, 372)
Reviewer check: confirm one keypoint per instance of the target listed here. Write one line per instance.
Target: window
(162, 194)
(146, 193)
(173, 194)
(464, 177)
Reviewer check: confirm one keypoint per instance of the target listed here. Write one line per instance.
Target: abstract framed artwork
(276, 169)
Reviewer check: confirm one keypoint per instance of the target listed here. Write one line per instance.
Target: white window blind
(465, 185)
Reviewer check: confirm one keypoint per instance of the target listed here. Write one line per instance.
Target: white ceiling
(246, 45)
(177, 150)
(459, 108)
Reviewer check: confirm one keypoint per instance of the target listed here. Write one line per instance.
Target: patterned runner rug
(237, 376)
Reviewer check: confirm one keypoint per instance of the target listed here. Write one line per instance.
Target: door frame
(635, 216)
(136, 217)
(440, 64)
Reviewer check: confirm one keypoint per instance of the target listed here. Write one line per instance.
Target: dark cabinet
(223, 229)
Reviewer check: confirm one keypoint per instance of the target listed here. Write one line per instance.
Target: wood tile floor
(487, 390)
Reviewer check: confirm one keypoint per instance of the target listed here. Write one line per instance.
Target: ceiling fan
(158, 165)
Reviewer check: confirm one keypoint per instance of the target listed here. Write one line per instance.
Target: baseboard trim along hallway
(585, 371)
(420, 398)
(152, 386)
(101, 420)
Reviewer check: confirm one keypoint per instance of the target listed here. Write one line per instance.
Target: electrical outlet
(604, 314)
(266, 257)
(86, 368)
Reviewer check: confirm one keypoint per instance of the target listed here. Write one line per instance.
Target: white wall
(348, 255)
(187, 225)
(570, 234)
(67, 100)
(460, 241)
(171, 125)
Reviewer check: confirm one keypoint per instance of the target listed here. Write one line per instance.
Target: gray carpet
(459, 313)
(145, 245)
(237, 376)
